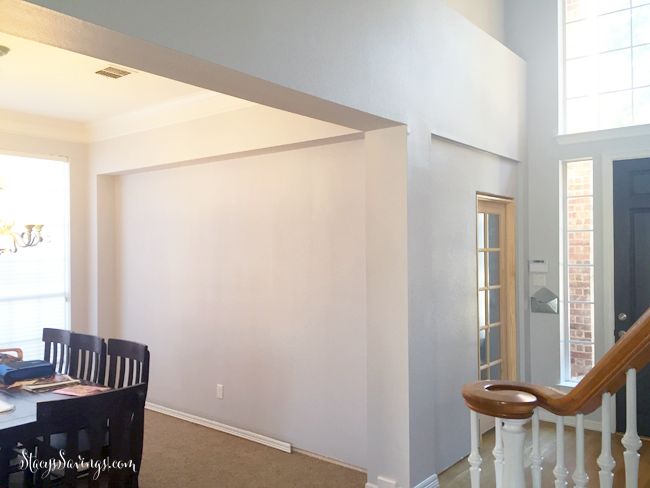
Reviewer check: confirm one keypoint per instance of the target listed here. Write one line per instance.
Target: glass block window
(578, 333)
(606, 58)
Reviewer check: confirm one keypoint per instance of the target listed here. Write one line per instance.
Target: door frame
(510, 344)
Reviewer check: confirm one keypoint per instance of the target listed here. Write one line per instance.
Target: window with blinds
(34, 281)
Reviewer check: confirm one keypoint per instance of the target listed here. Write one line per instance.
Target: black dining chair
(12, 472)
(128, 363)
(57, 349)
(82, 423)
(87, 357)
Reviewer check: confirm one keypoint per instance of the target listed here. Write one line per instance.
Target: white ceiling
(43, 80)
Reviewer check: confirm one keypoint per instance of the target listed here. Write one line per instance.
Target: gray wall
(251, 273)
(489, 15)
(413, 62)
(443, 300)
(403, 61)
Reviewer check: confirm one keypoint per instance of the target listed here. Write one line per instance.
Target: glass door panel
(490, 273)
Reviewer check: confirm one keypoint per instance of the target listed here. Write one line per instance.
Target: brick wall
(580, 252)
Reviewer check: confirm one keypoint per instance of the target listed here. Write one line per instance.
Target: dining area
(74, 418)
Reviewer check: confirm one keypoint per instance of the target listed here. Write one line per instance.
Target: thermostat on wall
(538, 266)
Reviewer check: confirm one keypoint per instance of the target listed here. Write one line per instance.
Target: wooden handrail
(514, 400)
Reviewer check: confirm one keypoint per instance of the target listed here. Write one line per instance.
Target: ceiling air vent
(113, 72)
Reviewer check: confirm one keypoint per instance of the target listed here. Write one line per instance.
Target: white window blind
(34, 281)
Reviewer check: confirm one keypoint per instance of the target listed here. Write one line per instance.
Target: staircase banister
(515, 400)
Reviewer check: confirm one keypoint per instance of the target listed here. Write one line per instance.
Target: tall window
(34, 281)
(606, 64)
(578, 320)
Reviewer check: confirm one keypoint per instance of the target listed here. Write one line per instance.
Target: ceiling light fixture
(10, 240)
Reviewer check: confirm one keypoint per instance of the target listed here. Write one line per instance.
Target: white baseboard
(330, 460)
(228, 429)
(431, 482)
(594, 425)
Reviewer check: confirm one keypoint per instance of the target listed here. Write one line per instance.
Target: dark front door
(632, 268)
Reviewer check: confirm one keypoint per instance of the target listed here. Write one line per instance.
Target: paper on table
(50, 383)
(6, 407)
(81, 390)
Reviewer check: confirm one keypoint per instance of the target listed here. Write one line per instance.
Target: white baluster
(561, 472)
(580, 477)
(631, 440)
(606, 460)
(514, 437)
(536, 458)
(474, 456)
(498, 453)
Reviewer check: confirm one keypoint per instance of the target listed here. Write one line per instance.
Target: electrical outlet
(220, 392)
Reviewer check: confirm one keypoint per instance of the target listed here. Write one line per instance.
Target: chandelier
(11, 239)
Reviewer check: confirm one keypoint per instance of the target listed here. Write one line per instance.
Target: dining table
(19, 425)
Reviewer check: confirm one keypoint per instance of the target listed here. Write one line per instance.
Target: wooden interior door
(496, 281)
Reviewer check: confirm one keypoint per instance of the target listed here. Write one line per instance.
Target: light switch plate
(538, 266)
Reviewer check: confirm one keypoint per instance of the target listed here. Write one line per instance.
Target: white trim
(228, 429)
(431, 482)
(329, 460)
(33, 125)
(603, 135)
(545, 416)
(561, 79)
(453, 140)
(185, 109)
(382, 483)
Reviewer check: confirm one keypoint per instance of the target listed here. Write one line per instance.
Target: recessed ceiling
(40, 79)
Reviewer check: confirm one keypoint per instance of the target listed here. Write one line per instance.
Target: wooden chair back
(57, 349)
(128, 363)
(121, 410)
(87, 357)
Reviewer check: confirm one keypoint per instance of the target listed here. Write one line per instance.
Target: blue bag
(24, 370)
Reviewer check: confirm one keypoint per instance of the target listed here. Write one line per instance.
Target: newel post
(514, 437)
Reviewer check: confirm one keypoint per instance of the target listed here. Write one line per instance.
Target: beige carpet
(178, 454)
